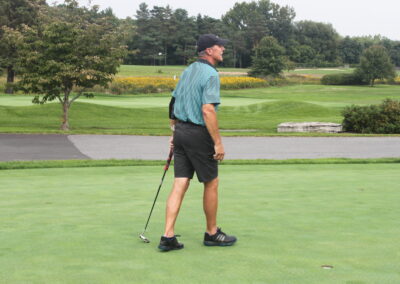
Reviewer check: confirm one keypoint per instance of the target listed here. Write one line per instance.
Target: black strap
(171, 108)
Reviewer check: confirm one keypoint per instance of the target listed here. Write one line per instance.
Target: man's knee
(181, 184)
(212, 184)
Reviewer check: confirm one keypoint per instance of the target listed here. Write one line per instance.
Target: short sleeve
(211, 91)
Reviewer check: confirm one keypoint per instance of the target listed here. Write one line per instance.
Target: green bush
(379, 119)
(342, 79)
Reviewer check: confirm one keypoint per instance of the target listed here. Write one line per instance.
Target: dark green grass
(13, 165)
(81, 225)
(258, 111)
(84, 118)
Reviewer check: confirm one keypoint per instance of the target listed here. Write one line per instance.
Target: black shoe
(219, 239)
(167, 244)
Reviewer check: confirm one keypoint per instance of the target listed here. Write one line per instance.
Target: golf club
(142, 236)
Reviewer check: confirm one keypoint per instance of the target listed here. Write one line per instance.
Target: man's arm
(172, 121)
(210, 118)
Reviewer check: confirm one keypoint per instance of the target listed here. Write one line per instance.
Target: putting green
(81, 225)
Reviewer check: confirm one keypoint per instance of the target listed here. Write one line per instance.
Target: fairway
(164, 70)
(81, 225)
(128, 101)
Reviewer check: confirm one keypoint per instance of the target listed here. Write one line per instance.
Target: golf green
(81, 225)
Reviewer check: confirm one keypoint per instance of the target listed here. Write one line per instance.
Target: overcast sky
(348, 17)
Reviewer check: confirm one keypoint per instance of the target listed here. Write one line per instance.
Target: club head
(143, 238)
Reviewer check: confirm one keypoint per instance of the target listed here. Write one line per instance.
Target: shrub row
(379, 119)
(395, 81)
(342, 79)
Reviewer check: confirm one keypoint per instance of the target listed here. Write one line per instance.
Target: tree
(73, 51)
(269, 58)
(13, 15)
(321, 38)
(375, 64)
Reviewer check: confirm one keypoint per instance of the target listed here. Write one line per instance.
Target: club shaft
(158, 191)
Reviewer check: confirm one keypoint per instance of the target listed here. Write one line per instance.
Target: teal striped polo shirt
(199, 84)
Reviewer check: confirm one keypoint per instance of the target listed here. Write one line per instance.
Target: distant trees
(350, 50)
(248, 23)
(163, 36)
(315, 44)
(167, 36)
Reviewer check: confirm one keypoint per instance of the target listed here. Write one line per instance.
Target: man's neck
(209, 59)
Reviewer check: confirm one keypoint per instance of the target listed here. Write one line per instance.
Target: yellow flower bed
(145, 84)
(397, 80)
(157, 84)
(242, 82)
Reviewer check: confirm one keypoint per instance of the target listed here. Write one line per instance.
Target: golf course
(304, 221)
(196, 142)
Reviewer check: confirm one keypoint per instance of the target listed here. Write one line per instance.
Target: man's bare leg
(174, 204)
(210, 205)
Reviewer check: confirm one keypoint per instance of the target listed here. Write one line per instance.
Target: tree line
(167, 36)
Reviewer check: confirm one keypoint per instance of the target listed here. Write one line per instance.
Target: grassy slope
(82, 225)
(259, 109)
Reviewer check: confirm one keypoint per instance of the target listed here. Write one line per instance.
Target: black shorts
(193, 152)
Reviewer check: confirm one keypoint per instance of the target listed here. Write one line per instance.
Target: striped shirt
(198, 85)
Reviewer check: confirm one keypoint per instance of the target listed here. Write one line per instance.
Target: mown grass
(258, 111)
(320, 71)
(163, 71)
(81, 225)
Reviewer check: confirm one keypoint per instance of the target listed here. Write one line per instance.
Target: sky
(348, 17)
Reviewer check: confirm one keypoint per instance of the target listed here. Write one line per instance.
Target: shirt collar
(206, 62)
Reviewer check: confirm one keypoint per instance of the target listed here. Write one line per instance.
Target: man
(196, 141)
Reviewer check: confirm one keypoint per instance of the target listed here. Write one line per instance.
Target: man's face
(216, 52)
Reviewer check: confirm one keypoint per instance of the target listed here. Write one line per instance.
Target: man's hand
(172, 123)
(219, 152)
(171, 142)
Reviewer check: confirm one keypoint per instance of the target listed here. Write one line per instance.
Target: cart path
(20, 147)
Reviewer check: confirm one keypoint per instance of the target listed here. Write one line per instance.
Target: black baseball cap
(209, 40)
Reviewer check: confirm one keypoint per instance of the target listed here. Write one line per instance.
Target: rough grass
(15, 165)
(81, 225)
